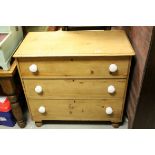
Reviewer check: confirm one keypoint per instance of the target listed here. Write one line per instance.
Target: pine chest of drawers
(75, 75)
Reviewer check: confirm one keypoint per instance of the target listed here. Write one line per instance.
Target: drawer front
(76, 109)
(75, 67)
(74, 89)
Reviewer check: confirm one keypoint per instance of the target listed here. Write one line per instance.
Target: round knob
(109, 111)
(33, 68)
(38, 89)
(113, 68)
(111, 89)
(42, 109)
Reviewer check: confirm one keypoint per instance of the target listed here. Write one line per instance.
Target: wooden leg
(115, 125)
(8, 86)
(9, 89)
(39, 124)
(17, 112)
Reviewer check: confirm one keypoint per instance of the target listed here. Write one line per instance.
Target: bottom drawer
(85, 110)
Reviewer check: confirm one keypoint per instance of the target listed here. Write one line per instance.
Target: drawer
(76, 110)
(75, 67)
(74, 89)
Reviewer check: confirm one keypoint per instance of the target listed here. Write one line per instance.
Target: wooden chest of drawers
(79, 75)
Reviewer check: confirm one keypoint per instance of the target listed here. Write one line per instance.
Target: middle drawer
(75, 89)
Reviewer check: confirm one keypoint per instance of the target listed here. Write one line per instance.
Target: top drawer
(93, 67)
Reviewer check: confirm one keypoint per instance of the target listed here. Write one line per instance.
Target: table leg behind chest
(9, 89)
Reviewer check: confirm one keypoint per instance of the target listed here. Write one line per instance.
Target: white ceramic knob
(113, 68)
(42, 109)
(38, 89)
(111, 89)
(33, 68)
(109, 111)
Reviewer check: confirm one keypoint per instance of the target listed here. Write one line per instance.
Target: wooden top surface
(10, 72)
(75, 43)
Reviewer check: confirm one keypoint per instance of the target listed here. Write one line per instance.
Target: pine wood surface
(74, 89)
(73, 70)
(75, 43)
(76, 110)
(75, 67)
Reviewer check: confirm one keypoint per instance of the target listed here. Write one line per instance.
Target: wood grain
(75, 67)
(73, 70)
(74, 89)
(76, 110)
(75, 43)
(8, 86)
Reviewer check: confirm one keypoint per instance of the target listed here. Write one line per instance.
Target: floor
(69, 125)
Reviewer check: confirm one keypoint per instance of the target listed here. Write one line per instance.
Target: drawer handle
(113, 68)
(111, 89)
(38, 89)
(33, 68)
(109, 111)
(42, 109)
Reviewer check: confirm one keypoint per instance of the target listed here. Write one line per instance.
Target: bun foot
(115, 125)
(38, 124)
(21, 124)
